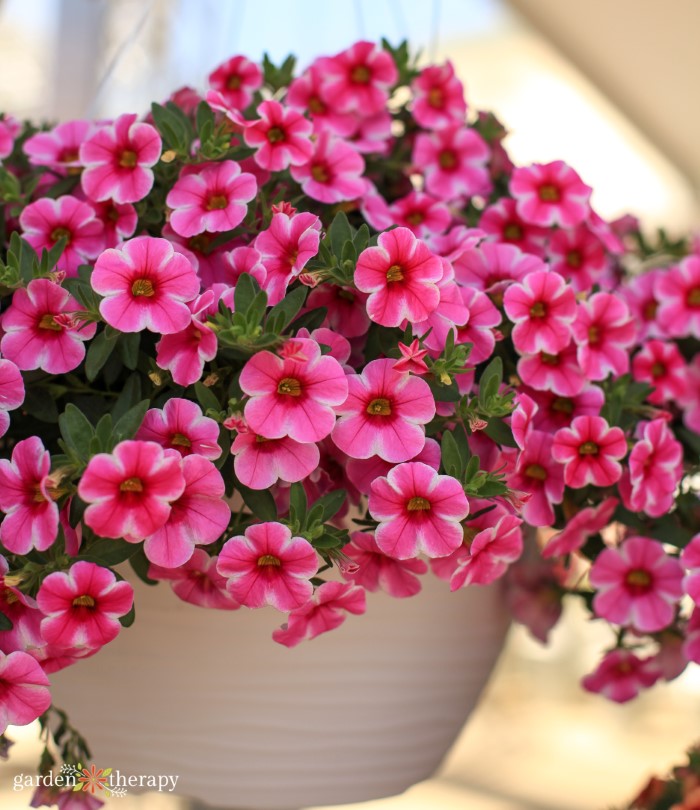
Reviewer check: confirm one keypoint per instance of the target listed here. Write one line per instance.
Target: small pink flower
(453, 161)
(234, 263)
(25, 690)
(333, 172)
(438, 97)
(534, 594)
(197, 581)
(323, 612)
(237, 79)
(9, 130)
(421, 213)
(637, 584)
(83, 606)
(11, 392)
(286, 246)
(119, 221)
(199, 516)
(641, 298)
(542, 307)
(503, 225)
(37, 336)
(449, 314)
(662, 365)
(550, 194)
(146, 285)
(621, 676)
(268, 566)
(358, 79)
(26, 498)
(401, 275)
(490, 553)
(538, 474)
(281, 137)
(559, 373)
(678, 291)
(181, 426)
(130, 491)
(579, 256)
(259, 462)
(411, 359)
(604, 332)
(554, 412)
(346, 309)
(490, 266)
(376, 570)
(305, 94)
(45, 222)
(590, 450)
(580, 527)
(118, 160)
(418, 511)
(362, 472)
(479, 329)
(383, 414)
(210, 198)
(291, 398)
(59, 148)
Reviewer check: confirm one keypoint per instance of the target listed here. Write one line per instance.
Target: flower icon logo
(92, 779)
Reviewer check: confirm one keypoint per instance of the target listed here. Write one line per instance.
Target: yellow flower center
(84, 601)
(60, 233)
(379, 407)
(694, 297)
(131, 485)
(234, 82)
(593, 334)
(549, 359)
(128, 159)
(436, 98)
(536, 471)
(320, 174)
(447, 159)
(538, 310)
(563, 405)
(395, 273)
(48, 322)
(180, 440)
(361, 74)
(574, 258)
(549, 193)
(418, 504)
(217, 202)
(269, 559)
(275, 135)
(289, 386)
(316, 105)
(588, 449)
(513, 231)
(638, 580)
(143, 287)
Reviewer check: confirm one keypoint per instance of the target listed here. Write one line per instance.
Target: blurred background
(607, 86)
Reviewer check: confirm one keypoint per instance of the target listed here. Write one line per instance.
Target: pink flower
(27, 498)
(333, 172)
(662, 365)
(197, 582)
(346, 309)
(536, 473)
(579, 256)
(503, 224)
(418, 511)
(421, 213)
(490, 553)
(37, 334)
(554, 412)
(46, 221)
(281, 137)
(362, 472)
(559, 373)
(655, 469)
(268, 566)
(640, 294)
(691, 398)
(146, 285)
(690, 557)
(550, 194)
(237, 79)
(584, 524)
(411, 359)
(489, 266)
(453, 161)
(9, 130)
(199, 516)
(534, 594)
(24, 688)
(401, 275)
(604, 332)
(358, 79)
(590, 450)
(11, 392)
(83, 606)
(678, 291)
(291, 397)
(130, 491)
(59, 148)
(438, 97)
(323, 612)
(480, 325)
(118, 160)
(375, 570)
(449, 314)
(542, 307)
(637, 584)
(181, 426)
(210, 198)
(621, 676)
(119, 221)
(286, 246)
(304, 94)
(235, 262)
(261, 462)
(383, 414)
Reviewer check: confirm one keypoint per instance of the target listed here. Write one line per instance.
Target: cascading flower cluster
(311, 336)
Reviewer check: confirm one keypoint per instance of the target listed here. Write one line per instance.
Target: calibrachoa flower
(267, 566)
(237, 79)
(579, 256)
(197, 581)
(130, 491)
(678, 293)
(661, 365)
(211, 198)
(584, 524)
(83, 606)
(560, 372)
(333, 172)
(542, 307)
(118, 160)
(59, 148)
(538, 474)
(591, 451)
(604, 332)
(418, 511)
(323, 612)
(39, 331)
(293, 397)
(621, 676)
(502, 223)
(9, 129)
(346, 310)
(46, 222)
(281, 137)
(181, 426)
(637, 584)
(401, 275)
(421, 213)
(383, 414)
(490, 553)
(119, 221)
(550, 194)
(11, 392)
(27, 498)
(375, 570)
(146, 285)
(260, 462)
(24, 688)
(490, 265)
(438, 97)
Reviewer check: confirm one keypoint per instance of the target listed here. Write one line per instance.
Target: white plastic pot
(362, 712)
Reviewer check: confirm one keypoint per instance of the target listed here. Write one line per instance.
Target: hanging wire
(399, 19)
(435, 30)
(360, 19)
(127, 42)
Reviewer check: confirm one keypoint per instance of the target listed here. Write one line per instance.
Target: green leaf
(173, 125)
(327, 541)
(98, 353)
(129, 349)
(246, 290)
(331, 503)
(288, 307)
(127, 426)
(206, 397)
(260, 502)
(140, 564)
(310, 320)
(500, 433)
(40, 406)
(491, 379)
(126, 621)
(76, 430)
(443, 393)
(103, 435)
(339, 233)
(204, 117)
(297, 503)
(109, 552)
(128, 396)
(452, 461)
